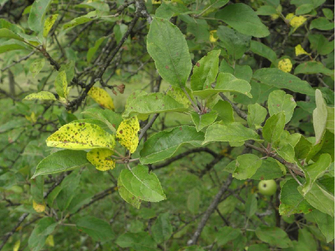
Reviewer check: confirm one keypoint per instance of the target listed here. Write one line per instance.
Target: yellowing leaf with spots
(49, 22)
(297, 21)
(43, 95)
(101, 159)
(127, 133)
(212, 36)
(39, 208)
(81, 136)
(285, 65)
(101, 97)
(50, 241)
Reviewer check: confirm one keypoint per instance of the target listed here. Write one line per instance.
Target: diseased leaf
(37, 14)
(49, 22)
(61, 84)
(164, 144)
(172, 62)
(42, 95)
(81, 136)
(36, 66)
(101, 97)
(61, 161)
(279, 101)
(142, 184)
(101, 159)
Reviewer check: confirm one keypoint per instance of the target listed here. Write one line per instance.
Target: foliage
(148, 125)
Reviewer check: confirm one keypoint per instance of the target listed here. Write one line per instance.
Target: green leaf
(42, 95)
(94, 49)
(315, 3)
(269, 170)
(225, 111)
(319, 116)
(43, 228)
(81, 136)
(141, 241)
(250, 205)
(36, 189)
(234, 42)
(11, 45)
(68, 190)
(80, 20)
(37, 14)
(314, 171)
(279, 101)
(263, 50)
(61, 84)
(256, 115)
(330, 119)
(173, 63)
(304, 9)
(321, 23)
(49, 22)
(226, 234)
(164, 144)
(325, 224)
(258, 247)
(107, 116)
(10, 26)
(302, 148)
(266, 10)
(61, 161)
(36, 66)
(126, 195)
(321, 44)
(232, 133)
(98, 5)
(313, 67)
(205, 71)
(141, 184)
(193, 201)
(243, 19)
(319, 198)
(226, 82)
(145, 104)
(162, 229)
(328, 13)
(274, 236)
(96, 228)
(277, 78)
(203, 120)
(6, 33)
(246, 166)
(291, 201)
(274, 127)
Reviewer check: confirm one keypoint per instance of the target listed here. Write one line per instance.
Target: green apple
(267, 187)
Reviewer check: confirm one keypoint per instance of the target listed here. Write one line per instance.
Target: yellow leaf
(39, 208)
(300, 51)
(101, 97)
(17, 245)
(61, 84)
(285, 65)
(32, 118)
(101, 159)
(118, 72)
(81, 136)
(50, 241)
(297, 21)
(49, 22)
(212, 36)
(43, 95)
(289, 16)
(127, 133)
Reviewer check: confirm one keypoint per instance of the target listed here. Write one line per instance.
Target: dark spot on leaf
(166, 67)
(197, 64)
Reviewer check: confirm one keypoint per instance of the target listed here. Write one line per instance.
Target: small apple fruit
(267, 187)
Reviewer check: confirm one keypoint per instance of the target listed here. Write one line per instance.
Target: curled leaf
(285, 65)
(39, 208)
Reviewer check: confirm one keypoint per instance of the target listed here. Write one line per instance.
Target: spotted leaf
(101, 97)
(101, 159)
